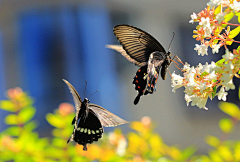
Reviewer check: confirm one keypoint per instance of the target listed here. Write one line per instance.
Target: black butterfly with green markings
(143, 50)
(89, 120)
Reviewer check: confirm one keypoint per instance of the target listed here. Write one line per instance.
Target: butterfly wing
(78, 102)
(155, 62)
(76, 98)
(137, 43)
(120, 49)
(140, 82)
(106, 118)
(88, 131)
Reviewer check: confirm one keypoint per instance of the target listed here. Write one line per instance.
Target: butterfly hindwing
(88, 131)
(107, 118)
(140, 82)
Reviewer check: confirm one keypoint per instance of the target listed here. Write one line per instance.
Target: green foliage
(234, 32)
(230, 109)
(20, 142)
(228, 17)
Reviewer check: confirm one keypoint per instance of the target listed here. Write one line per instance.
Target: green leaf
(220, 62)
(27, 114)
(229, 43)
(212, 141)
(238, 15)
(58, 142)
(234, 32)
(225, 152)
(54, 120)
(214, 91)
(11, 119)
(226, 125)
(239, 91)
(204, 73)
(30, 126)
(187, 153)
(228, 16)
(7, 105)
(215, 157)
(230, 109)
(238, 48)
(218, 10)
(13, 131)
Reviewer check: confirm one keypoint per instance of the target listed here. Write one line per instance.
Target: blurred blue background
(43, 41)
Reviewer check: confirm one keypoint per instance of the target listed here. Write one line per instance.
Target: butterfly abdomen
(89, 130)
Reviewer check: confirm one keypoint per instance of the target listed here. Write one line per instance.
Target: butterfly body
(145, 51)
(89, 120)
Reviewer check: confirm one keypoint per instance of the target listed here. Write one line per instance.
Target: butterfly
(89, 120)
(143, 50)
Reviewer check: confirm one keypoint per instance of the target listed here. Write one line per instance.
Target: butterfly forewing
(78, 102)
(120, 49)
(107, 118)
(137, 43)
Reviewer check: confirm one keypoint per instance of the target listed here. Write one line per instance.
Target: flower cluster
(212, 30)
(210, 80)
(202, 82)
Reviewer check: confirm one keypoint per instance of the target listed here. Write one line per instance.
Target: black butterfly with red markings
(89, 120)
(143, 50)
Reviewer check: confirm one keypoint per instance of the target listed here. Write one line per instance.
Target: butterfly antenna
(85, 89)
(171, 41)
(93, 93)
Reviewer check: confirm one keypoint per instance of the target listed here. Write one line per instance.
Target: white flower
(189, 77)
(229, 85)
(220, 17)
(206, 68)
(186, 67)
(214, 3)
(202, 87)
(212, 76)
(199, 102)
(188, 99)
(199, 67)
(208, 31)
(193, 17)
(177, 81)
(212, 65)
(205, 22)
(202, 49)
(222, 95)
(215, 48)
(225, 77)
(228, 55)
(235, 6)
(228, 67)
